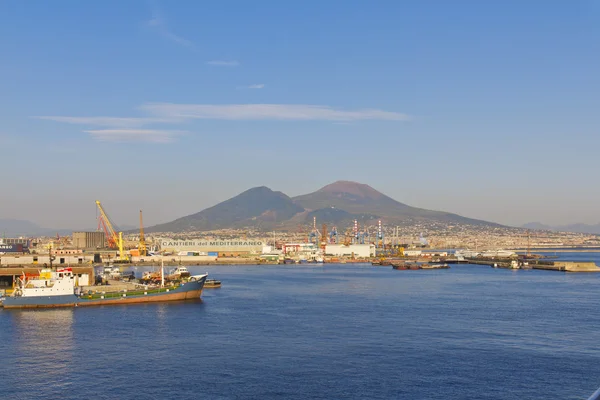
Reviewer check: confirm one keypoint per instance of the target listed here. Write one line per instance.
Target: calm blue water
(333, 332)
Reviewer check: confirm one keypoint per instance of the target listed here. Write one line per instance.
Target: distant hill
(338, 203)
(577, 228)
(537, 225)
(259, 207)
(357, 198)
(17, 227)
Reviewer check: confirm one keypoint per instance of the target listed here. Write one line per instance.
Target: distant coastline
(574, 249)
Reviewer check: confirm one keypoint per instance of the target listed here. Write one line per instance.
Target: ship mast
(50, 254)
(162, 271)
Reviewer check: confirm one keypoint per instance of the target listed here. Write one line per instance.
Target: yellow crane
(114, 240)
(142, 246)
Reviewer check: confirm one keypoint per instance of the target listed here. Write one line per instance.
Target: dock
(564, 266)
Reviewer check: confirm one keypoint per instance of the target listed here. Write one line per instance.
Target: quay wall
(577, 266)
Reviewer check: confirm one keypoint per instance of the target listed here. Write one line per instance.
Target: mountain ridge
(259, 205)
(339, 202)
(363, 199)
(21, 227)
(576, 228)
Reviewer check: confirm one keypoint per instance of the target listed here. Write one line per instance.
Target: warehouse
(224, 248)
(353, 250)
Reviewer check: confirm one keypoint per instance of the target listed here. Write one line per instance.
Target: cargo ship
(57, 289)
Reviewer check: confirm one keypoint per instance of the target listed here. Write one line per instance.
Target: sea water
(322, 332)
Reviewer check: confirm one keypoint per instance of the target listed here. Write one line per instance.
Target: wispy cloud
(119, 129)
(107, 121)
(221, 63)
(123, 129)
(253, 86)
(135, 135)
(268, 112)
(158, 24)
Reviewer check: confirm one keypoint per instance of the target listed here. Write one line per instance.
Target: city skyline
(483, 110)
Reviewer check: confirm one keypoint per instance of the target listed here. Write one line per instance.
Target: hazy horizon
(486, 110)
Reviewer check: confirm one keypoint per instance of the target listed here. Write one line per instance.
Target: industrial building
(291, 248)
(12, 248)
(21, 241)
(89, 240)
(224, 248)
(352, 250)
(412, 253)
(44, 260)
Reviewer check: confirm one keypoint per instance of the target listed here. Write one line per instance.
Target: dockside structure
(222, 248)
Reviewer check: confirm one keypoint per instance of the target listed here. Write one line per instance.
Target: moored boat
(179, 273)
(212, 283)
(435, 266)
(59, 290)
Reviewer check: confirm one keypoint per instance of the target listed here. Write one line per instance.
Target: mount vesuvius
(338, 203)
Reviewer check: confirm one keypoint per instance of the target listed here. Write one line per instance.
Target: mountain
(538, 226)
(259, 207)
(337, 203)
(577, 228)
(358, 198)
(18, 227)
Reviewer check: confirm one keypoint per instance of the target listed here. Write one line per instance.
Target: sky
(485, 109)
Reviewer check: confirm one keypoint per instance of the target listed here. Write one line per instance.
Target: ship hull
(69, 300)
(188, 291)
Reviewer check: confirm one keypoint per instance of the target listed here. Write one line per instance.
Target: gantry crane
(142, 246)
(114, 240)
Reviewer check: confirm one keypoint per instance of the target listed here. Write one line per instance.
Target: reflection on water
(45, 345)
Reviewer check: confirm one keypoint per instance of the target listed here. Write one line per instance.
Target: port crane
(114, 239)
(142, 245)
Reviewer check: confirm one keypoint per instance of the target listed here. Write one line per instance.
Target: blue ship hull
(68, 300)
(187, 291)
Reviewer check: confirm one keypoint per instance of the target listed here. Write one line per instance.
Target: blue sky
(486, 109)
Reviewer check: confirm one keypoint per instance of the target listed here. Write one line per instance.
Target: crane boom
(114, 240)
(142, 246)
(111, 234)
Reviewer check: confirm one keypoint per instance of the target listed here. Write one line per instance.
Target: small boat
(112, 272)
(435, 266)
(179, 273)
(212, 283)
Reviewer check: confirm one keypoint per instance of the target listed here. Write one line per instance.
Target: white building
(412, 253)
(499, 254)
(353, 250)
(209, 246)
